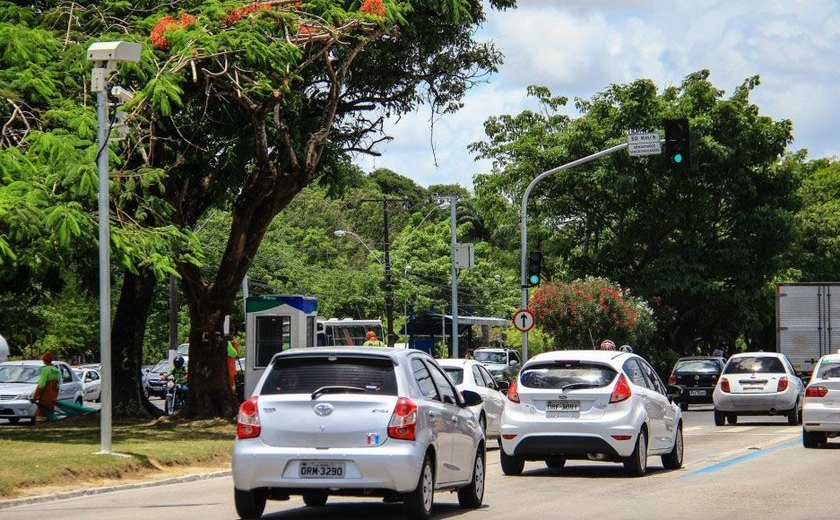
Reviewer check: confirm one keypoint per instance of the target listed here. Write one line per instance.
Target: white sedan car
(91, 383)
(590, 404)
(758, 383)
(821, 411)
(357, 421)
(468, 374)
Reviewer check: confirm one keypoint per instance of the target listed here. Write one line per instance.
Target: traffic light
(534, 268)
(677, 144)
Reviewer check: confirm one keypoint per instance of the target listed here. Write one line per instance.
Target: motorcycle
(175, 396)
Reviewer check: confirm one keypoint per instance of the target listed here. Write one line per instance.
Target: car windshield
(828, 369)
(485, 356)
(560, 375)
(757, 364)
(455, 373)
(19, 374)
(697, 365)
(306, 374)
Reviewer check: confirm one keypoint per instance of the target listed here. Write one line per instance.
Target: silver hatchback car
(357, 422)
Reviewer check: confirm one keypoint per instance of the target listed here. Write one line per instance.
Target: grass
(64, 452)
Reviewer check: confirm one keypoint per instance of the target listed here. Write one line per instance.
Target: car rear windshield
(456, 374)
(559, 375)
(697, 365)
(828, 369)
(305, 374)
(758, 364)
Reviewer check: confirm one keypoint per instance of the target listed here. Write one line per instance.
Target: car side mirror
(503, 386)
(673, 391)
(513, 362)
(471, 398)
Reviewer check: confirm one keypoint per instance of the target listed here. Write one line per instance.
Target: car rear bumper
(755, 403)
(819, 418)
(394, 466)
(696, 395)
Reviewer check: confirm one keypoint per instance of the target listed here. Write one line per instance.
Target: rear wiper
(337, 389)
(574, 386)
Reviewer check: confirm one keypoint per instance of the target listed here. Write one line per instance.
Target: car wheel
(168, 405)
(555, 462)
(471, 496)
(249, 504)
(146, 392)
(511, 464)
(684, 407)
(636, 463)
(794, 417)
(674, 459)
(812, 439)
(315, 499)
(731, 418)
(418, 503)
(720, 418)
(79, 402)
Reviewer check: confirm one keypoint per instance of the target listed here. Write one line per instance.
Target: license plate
(321, 469)
(562, 406)
(696, 392)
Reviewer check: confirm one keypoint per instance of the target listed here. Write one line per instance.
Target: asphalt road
(754, 470)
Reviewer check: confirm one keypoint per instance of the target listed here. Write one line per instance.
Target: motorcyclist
(178, 372)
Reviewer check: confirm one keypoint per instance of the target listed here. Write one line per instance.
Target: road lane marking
(737, 460)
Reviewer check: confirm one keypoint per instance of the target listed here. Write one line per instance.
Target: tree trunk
(210, 393)
(129, 326)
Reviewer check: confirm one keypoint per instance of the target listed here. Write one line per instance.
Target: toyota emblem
(323, 409)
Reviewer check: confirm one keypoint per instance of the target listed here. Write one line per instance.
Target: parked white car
(91, 383)
(18, 380)
(758, 383)
(468, 374)
(590, 404)
(821, 411)
(357, 421)
(502, 363)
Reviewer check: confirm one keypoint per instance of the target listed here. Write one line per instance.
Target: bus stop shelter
(426, 330)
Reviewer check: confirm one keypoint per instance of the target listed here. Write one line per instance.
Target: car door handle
(454, 418)
(432, 413)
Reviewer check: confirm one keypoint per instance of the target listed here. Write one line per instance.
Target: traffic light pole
(524, 223)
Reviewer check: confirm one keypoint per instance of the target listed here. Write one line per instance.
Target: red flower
(373, 7)
(242, 12)
(168, 23)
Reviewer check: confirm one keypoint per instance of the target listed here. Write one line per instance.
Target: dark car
(697, 376)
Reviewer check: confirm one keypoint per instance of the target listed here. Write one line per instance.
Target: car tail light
(248, 422)
(673, 379)
(724, 385)
(621, 392)
(403, 420)
(513, 392)
(816, 391)
(783, 384)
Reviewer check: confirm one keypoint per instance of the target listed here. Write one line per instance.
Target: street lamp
(106, 56)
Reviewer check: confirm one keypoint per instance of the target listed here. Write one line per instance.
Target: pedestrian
(469, 354)
(372, 340)
(607, 344)
(232, 354)
(46, 393)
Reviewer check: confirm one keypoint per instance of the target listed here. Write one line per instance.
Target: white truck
(807, 322)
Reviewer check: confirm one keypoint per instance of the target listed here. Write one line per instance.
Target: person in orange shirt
(46, 393)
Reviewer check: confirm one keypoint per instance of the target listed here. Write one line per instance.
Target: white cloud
(579, 47)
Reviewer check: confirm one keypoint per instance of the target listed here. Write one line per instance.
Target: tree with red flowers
(581, 313)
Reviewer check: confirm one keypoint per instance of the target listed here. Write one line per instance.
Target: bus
(346, 332)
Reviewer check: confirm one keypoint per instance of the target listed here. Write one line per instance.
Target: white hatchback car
(357, 421)
(590, 404)
(758, 383)
(468, 374)
(821, 411)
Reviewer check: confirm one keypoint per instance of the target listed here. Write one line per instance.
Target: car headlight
(23, 397)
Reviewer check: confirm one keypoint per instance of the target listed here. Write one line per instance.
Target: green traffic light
(534, 279)
(678, 158)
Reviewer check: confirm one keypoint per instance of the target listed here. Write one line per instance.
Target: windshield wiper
(337, 389)
(575, 386)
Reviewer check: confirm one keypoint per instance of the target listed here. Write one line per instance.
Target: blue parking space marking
(743, 458)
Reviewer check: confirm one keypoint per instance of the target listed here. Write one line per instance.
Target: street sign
(643, 144)
(523, 320)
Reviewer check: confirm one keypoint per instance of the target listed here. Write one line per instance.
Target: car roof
(28, 362)
(604, 356)
(394, 353)
(698, 357)
(756, 354)
(456, 362)
(831, 357)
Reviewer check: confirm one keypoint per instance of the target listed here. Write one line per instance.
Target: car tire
(249, 504)
(80, 401)
(674, 459)
(555, 462)
(636, 464)
(315, 498)
(471, 496)
(812, 439)
(720, 418)
(684, 407)
(418, 503)
(168, 405)
(511, 464)
(794, 415)
(731, 418)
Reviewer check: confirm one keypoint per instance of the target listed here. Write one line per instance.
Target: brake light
(404, 420)
(673, 379)
(248, 421)
(621, 392)
(724, 385)
(513, 392)
(816, 391)
(783, 384)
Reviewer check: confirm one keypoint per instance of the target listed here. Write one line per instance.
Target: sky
(579, 47)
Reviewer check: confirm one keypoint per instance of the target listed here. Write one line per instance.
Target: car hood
(494, 366)
(17, 388)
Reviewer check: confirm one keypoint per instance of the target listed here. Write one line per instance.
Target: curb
(107, 489)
